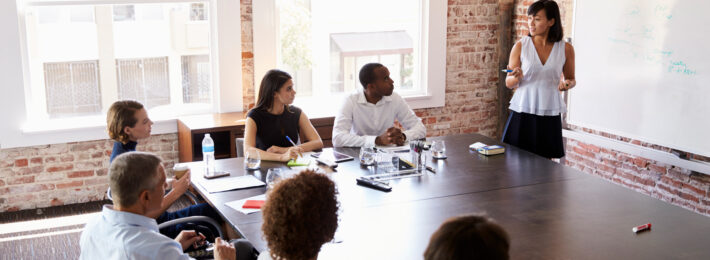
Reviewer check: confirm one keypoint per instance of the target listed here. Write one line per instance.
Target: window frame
(433, 51)
(21, 128)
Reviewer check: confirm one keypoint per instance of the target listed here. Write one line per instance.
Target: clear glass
(367, 156)
(395, 161)
(273, 176)
(252, 159)
(438, 149)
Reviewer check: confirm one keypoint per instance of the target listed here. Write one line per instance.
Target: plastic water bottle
(208, 154)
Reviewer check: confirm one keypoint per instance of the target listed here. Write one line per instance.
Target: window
(324, 43)
(144, 80)
(71, 59)
(72, 88)
(195, 78)
(132, 53)
(197, 12)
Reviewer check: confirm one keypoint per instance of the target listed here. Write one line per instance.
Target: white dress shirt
(358, 122)
(122, 235)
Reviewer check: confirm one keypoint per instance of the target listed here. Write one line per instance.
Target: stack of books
(491, 150)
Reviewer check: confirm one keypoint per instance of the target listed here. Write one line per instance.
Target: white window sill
(89, 128)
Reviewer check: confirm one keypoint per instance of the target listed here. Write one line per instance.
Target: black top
(272, 129)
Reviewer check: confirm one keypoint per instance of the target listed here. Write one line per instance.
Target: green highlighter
(293, 163)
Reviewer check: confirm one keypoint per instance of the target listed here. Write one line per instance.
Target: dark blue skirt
(541, 135)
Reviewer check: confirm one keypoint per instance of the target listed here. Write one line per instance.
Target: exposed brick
(61, 167)
(688, 196)
(98, 154)
(21, 198)
(69, 184)
(66, 158)
(80, 174)
(90, 182)
(21, 163)
(701, 191)
(38, 187)
(101, 172)
(56, 202)
(21, 180)
(36, 160)
(640, 162)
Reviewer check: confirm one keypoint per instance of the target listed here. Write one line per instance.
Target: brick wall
(672, 184)
(57, 174)
(248, 94)
(471, 71)
(675, 185)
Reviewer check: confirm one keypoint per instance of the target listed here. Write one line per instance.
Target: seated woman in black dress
(273, 118)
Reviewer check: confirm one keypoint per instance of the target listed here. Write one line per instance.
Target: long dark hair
(552, 11)
(271, 83)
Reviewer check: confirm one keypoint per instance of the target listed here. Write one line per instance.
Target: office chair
(245, 250)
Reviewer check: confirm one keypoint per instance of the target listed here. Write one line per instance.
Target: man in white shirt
(123, 231)
(366, 117)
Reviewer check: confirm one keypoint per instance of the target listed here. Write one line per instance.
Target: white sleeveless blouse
(537, 92)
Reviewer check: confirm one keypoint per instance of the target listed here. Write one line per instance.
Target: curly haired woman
(300, 216)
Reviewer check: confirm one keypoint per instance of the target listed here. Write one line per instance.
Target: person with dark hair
(127, 122)
(126, 229)
(274, 118)
(468, 237)
(300, 216)
(367, 117)
(542, 66)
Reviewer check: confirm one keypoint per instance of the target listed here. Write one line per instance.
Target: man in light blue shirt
(124, 231)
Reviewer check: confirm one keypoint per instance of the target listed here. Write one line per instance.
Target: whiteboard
(643, 71)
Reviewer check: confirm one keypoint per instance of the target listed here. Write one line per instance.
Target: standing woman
(273, 118)
(538, 61)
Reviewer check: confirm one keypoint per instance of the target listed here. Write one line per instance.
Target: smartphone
(333, 156)
(217, 174)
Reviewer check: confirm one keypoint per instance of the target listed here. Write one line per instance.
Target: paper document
(230, 183)
(238, 204)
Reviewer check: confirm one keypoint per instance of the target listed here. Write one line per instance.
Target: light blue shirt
(122, 235)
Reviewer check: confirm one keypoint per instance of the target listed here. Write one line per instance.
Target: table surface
(549, 210)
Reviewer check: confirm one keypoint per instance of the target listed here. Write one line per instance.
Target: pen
(294, 144)
(429, 168)
(507, 71)
(290, 141)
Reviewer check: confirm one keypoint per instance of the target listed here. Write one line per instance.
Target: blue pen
(294, 144)
(290, 141)
(507, 71)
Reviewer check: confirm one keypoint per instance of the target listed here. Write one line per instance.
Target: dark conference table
(549, 210)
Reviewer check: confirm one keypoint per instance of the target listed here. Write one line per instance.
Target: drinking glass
(273, 176)
(367, 156)
(438, 149)
(395, 161)
(252, 159)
